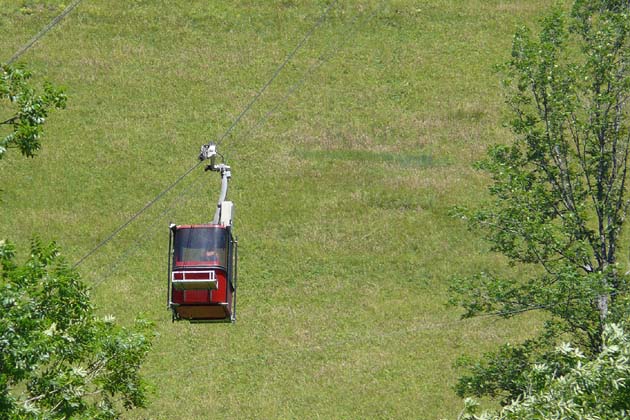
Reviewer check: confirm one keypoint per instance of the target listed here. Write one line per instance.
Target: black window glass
(200, 246)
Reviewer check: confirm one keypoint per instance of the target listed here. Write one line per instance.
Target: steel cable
(147, 235)
(278, 70)
(44, 31)
(320, 61)
(135, 216)
(230, 128)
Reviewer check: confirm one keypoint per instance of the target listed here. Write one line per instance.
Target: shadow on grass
(408, 160)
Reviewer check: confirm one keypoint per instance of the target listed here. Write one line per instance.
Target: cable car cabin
(202, 273)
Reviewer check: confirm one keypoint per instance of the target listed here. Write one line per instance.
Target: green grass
(342, 194)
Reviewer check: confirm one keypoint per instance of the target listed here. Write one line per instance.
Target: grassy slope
(342, 195)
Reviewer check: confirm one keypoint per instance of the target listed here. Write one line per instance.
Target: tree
(591, 389)
(30, 109)
(57, 358)
(559, 193)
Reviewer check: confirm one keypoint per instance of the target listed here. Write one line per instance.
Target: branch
(516, 311)
(10, 120)
(563, 187)
(614, 171)
(561, 252)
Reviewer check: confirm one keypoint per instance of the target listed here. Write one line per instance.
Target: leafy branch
(30, 109)
(57, 358)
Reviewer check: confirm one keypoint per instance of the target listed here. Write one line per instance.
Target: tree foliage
(28, 109)
(589, 389)
(57, 358)
(559, 193)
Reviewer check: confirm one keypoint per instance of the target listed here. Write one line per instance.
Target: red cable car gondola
(203, 260)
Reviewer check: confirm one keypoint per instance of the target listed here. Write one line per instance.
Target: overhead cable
(146, 236)
(321, 60)
(44, 31)
(243, 112)
(135, 216)
(279, 69)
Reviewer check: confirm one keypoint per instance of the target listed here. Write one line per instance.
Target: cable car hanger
(202, 262)
(209, 151)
